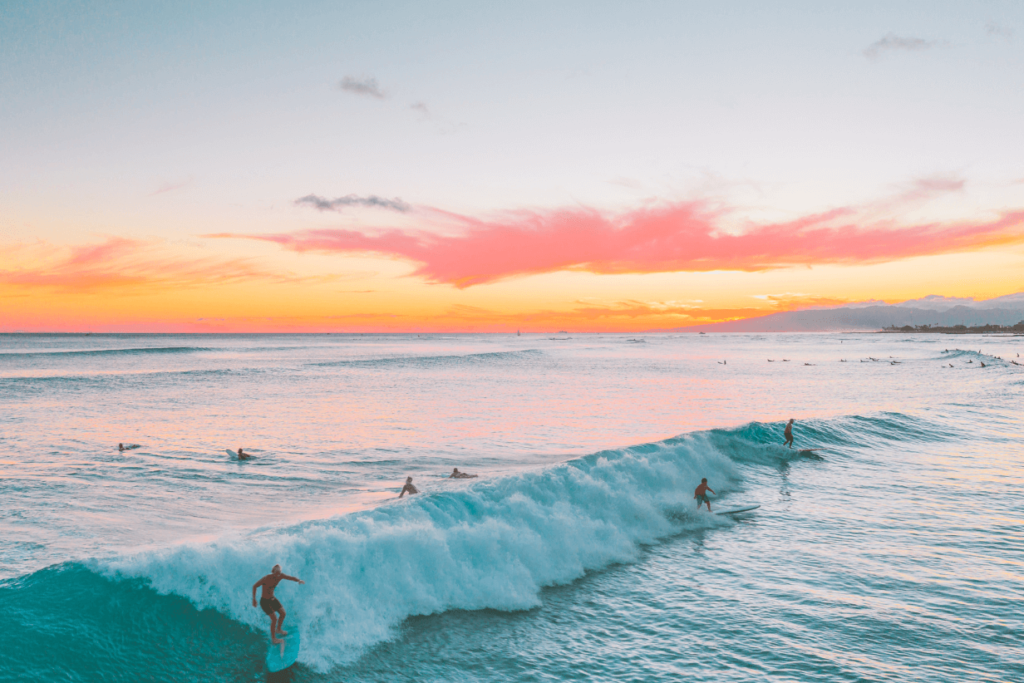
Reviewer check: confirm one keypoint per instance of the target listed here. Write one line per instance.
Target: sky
(487, 167)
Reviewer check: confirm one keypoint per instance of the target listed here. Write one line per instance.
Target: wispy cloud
(999, 31)
(420, 107)
(686, 236)
(894, 43)
(171, 186)
(791, 301)
(338, 203)
(922, 189)
(362, 86)
(123, 264)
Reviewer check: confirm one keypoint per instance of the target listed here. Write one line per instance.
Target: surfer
(460, 475)
(701, 493)
(268, 603)
(120, 447)
(408, 488)
(789, 434)
(243, 455)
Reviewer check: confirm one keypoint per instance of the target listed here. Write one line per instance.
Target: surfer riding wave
(271, 605)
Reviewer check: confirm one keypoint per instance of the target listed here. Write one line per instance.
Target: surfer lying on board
(701, 493)
(460, 475)
(408, 488)
(270, 604)
(789, 434)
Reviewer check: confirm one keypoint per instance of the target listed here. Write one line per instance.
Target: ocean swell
(490, 544)
(104, 352)
(446, 360)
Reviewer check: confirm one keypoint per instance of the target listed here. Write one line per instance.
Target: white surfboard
(734, 511)
(231, 453)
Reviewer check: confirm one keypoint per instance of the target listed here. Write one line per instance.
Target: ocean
(893, 552)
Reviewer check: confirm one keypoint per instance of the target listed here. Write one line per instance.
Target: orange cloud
(790, 301)
(671, 238)
(119, 264)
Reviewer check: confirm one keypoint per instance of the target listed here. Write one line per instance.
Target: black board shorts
(270, 605)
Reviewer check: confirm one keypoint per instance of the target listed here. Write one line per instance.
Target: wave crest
(491, 544)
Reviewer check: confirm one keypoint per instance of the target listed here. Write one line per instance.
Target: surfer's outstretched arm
(291, 578)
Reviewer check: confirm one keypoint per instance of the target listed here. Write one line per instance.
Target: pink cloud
(670, 238)
(118, 263)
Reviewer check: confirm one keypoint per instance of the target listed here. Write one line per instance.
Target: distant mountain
(859, 318)
(934, 302)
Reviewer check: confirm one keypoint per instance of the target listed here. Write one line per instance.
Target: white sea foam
(492, 544)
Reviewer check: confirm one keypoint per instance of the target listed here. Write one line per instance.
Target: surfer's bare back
(271, 605)
(408, 488)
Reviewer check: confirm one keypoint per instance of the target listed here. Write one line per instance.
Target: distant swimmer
(457, 475)
(408, 488)
(120, 447)
(789, 434)
(242, 455)
(701, 494)
(271, 605)
(982, 363)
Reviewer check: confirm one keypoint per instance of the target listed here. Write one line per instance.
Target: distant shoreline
(1013, 331)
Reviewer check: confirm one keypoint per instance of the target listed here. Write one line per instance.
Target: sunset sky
(467, 166)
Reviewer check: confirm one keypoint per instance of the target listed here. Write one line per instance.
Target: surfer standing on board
(270, 604)
(408, 488)
(789, 434)
(701, 493)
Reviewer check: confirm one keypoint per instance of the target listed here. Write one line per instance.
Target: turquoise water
(894, 553)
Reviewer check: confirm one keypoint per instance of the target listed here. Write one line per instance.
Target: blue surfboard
(275, 660)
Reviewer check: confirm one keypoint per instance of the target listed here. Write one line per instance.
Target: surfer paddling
(789, 434)
(460, 475)
(271, 605)
(701, 494)
(408, 488)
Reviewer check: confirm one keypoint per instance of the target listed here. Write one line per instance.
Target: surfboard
(275, 662)
(231, 453)
(734, 511)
